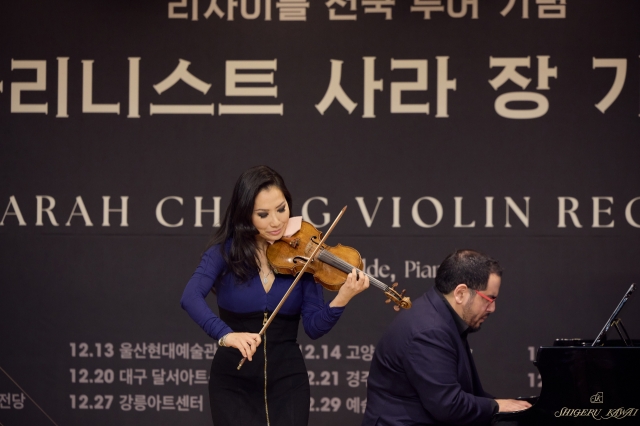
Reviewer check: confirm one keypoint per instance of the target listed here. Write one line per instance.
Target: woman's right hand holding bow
(246, 343)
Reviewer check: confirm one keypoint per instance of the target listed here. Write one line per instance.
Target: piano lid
(601, 339)
(617, 323)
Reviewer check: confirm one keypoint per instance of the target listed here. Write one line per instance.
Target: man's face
(477, 308)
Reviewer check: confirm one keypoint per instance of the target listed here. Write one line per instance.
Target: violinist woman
(273, 387)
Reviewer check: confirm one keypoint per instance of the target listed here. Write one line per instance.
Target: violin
(306, 250)
(329, 267)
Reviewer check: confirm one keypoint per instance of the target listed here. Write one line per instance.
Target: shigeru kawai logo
(597, 413)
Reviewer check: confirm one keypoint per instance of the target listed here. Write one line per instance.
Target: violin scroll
(398, 298)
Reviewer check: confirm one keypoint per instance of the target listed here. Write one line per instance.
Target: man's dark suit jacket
(422, 372)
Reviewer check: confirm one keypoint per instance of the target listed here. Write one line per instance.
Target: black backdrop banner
(509, 126)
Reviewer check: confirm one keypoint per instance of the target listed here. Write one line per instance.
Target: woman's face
(270, 214)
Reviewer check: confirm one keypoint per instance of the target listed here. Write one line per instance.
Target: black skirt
(271, 390)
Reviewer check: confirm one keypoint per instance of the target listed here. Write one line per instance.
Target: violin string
(347, 267)
(344, 266)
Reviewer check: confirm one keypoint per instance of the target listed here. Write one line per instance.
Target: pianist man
(422, 372)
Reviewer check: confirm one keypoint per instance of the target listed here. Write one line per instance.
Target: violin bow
(293, 284)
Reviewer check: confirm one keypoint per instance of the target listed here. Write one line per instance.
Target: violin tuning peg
(394, 285)
(387, 301)
(396, 308)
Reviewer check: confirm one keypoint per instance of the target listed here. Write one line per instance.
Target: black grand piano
(585, 382)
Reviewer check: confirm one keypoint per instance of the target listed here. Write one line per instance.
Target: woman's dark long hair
(237, 226)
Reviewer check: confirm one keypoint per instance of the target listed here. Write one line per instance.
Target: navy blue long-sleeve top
(306, 298)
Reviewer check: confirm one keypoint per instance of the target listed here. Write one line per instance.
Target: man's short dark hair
(466, 267)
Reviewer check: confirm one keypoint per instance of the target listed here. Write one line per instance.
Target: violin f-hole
(300, 259)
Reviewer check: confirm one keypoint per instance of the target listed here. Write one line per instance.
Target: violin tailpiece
(293, 242)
